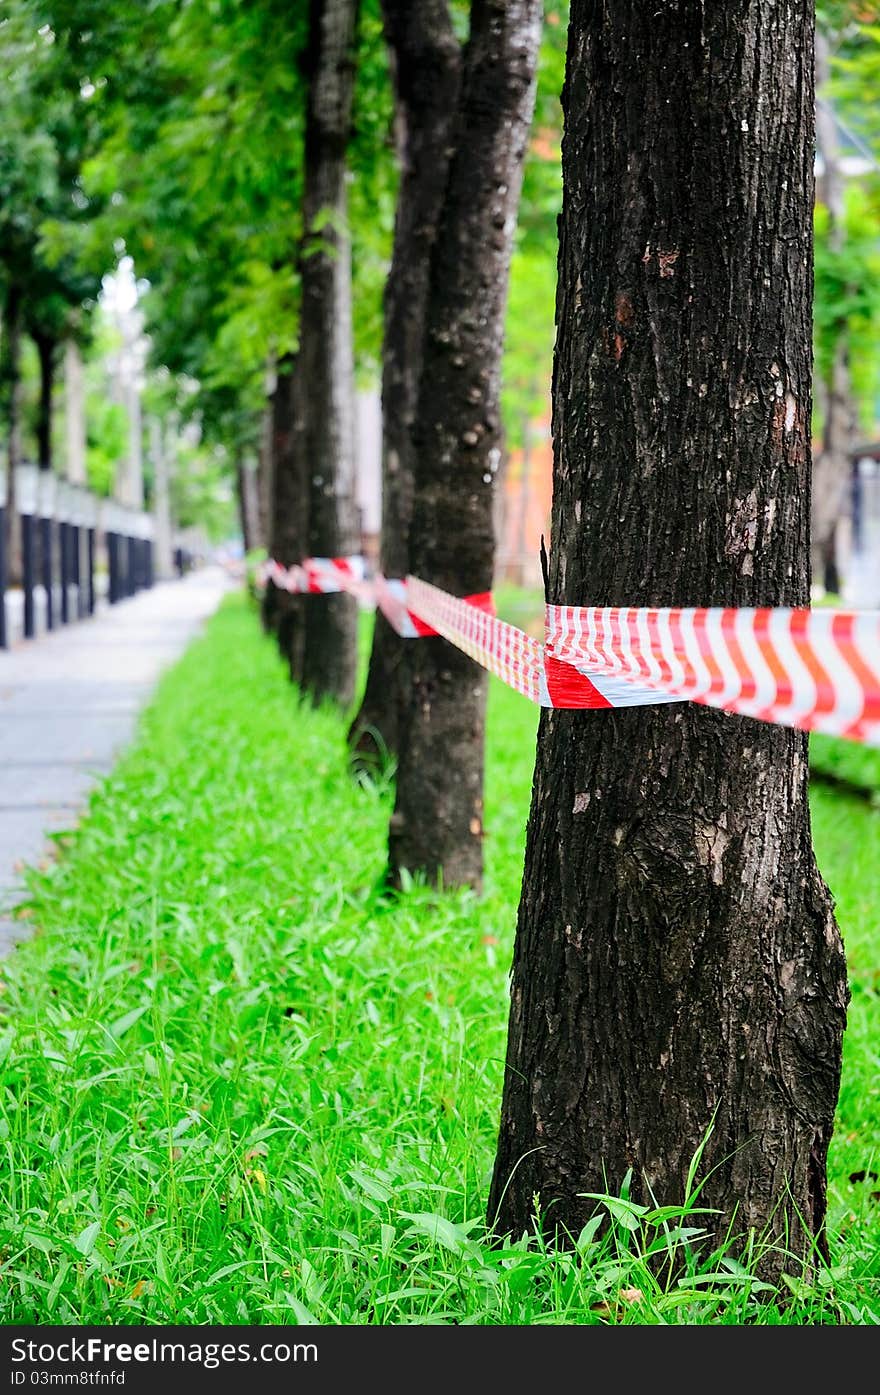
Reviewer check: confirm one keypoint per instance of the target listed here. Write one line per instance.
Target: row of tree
(678, 975)
(179, 135)
(679, 984)
(58, 241)
(463, 116)
(44, 296)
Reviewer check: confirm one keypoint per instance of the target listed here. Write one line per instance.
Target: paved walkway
(68, 704)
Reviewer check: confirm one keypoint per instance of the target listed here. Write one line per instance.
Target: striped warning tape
(516, 658)
(315, 576)
(509, 653)
(818, 670)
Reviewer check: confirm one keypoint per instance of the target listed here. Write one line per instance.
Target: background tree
(29, 191)
(530, 319)
(209, 222)
(324, 393)
(425, 78)
(831, 468)
(46, 133)
(426, 62)
(201, 174)
(437, 824)
(678, 978)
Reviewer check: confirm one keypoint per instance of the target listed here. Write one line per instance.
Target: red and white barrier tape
(472, 626)
(315, 576)
(815, 670)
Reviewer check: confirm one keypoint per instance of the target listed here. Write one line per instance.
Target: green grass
(242, 1084)
(847, 761)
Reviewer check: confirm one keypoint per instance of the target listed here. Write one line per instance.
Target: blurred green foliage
(847, 297)
(847, 260)
(173, 131)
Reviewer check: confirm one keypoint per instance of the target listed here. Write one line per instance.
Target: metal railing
(77, 551)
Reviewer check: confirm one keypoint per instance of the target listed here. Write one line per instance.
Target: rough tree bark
(831, 468)
(677, 966)
(437, 825)
(426, 59)
(325, 365)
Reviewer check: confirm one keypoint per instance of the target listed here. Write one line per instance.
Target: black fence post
(26, 496)
(47, 569)
(112, 567)
(64, 547)
(76, 567)
(47, 495)
(121, 565)
(90, 564)
(28, 568)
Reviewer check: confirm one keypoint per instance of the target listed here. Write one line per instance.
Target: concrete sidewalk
(68, 704)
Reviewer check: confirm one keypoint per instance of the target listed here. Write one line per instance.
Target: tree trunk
(832, 468)
(10, 405)
(74, 413)
(426, 60)
(677, 971)
(288, 539)
(264, 459)
(325, 364)
(437, 825)
(42, 539)
(46, 354)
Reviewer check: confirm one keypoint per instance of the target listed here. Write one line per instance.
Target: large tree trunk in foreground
(426, 58)
(326, 358)
(437, 825)
(677, 966)
(832, 468)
